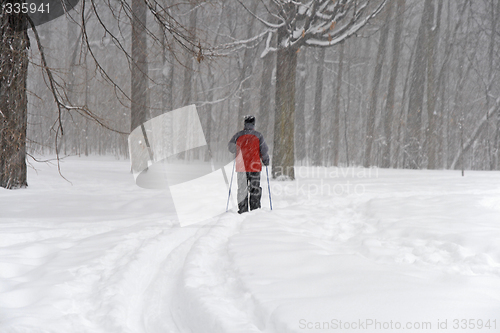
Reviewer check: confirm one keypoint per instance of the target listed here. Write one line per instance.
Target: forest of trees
(395, 84)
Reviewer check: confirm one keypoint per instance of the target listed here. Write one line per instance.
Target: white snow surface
(344, 250)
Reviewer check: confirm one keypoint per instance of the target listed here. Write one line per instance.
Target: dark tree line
(401, 83)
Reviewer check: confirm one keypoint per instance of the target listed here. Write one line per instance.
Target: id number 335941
(474, 324)
(25, 8)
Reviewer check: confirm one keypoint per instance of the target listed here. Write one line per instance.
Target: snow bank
(353, 249)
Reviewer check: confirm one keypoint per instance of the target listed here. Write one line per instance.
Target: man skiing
(250, 148)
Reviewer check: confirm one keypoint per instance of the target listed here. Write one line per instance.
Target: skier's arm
(264, 156)
(232, 144)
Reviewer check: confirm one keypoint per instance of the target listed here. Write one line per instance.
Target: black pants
(248, 183)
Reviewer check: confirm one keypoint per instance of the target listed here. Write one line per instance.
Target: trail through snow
(342, 247)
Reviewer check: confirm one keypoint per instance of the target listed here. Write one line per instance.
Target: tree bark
(72, 125)
(300, 121)
(318, 97)
(283, 154)
(210, 98)
(370, 124)
(87, 100)
(265, 102)
(432, 87)
(336, 109)
(246, 71)
(187, 87)
(445, 112)
(417, 88)
(167, 100)
(463, 76)
(14, 44)
(401, 135)
(389, 105)
(495, 159)
(347, 109)
(139, 85)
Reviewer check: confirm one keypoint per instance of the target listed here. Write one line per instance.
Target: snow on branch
(305, 8)
(243, 43)
(321, 22)
(268, 48)
(352, 27)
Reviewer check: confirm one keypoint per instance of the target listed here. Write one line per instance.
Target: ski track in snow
(105, 256)
(126, 274)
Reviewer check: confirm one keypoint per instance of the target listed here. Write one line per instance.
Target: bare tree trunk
(300, 120)
(417, 88)
(442, 124)
(86, 103)
(74, 131)
(370, 124)
(210, 98)
(389, 106)
(187, 84)
(365, 80)
(432, 88)
(139, 86)
(283, 152)
(495, 155)
(336, 110)
(442, 113)
(458, 103)
(187, 87)
(402, 126)
(167, 99)
(318, 97)
(14, 44)
(265, 94)
(347, 109)
(445, 115)
(246, 70)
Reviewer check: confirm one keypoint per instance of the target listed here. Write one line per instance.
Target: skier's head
(249, 120)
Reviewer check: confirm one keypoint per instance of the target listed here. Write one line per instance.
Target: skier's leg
(255, 190)
(242, 192)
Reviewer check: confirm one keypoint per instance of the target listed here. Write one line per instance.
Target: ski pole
(230, 184)
(269, 188)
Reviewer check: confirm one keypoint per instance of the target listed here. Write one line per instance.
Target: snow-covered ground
(345, 249)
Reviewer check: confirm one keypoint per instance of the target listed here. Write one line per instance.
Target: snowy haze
(345, 249)
(342, 246)
(360, 97)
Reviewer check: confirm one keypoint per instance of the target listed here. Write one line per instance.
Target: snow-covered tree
(315, 23)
